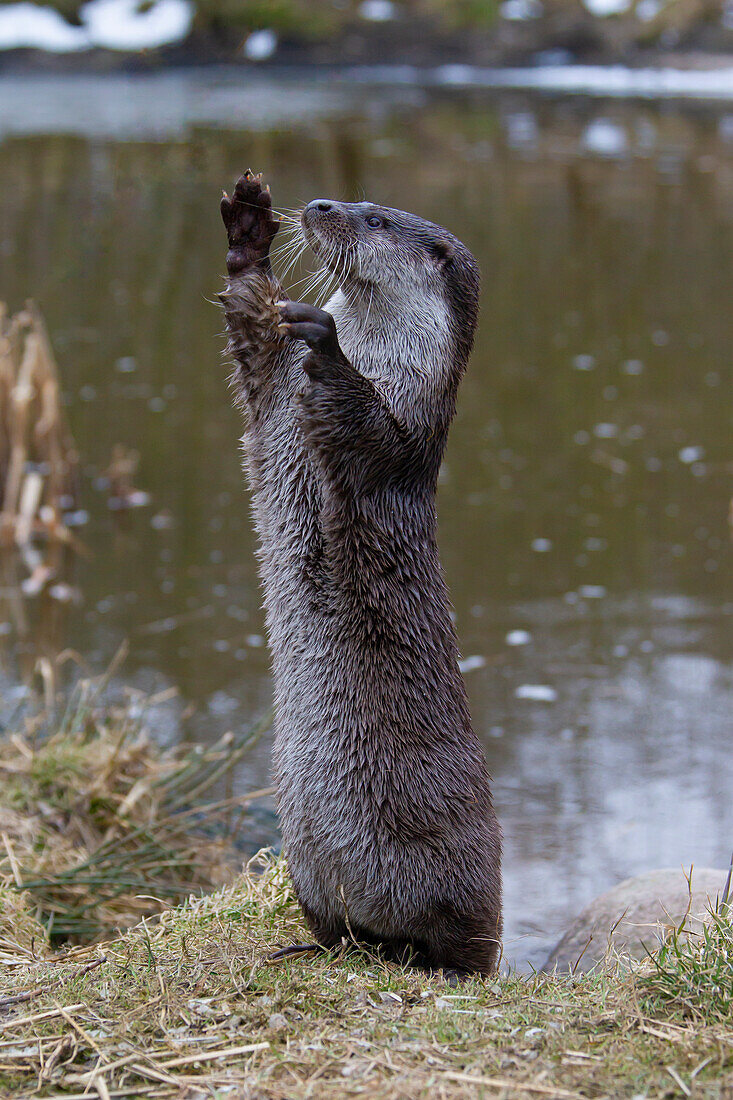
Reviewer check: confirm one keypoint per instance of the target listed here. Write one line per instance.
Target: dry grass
(100, 827)
(188, 1005)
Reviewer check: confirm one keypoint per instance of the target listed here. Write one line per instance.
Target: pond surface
(585, 494)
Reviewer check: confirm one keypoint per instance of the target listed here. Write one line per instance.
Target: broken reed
(38, 457)
(99, 827)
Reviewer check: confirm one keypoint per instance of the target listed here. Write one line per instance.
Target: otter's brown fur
(383, 792)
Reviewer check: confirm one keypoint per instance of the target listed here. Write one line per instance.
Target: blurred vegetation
(307, 18)
(552, 22)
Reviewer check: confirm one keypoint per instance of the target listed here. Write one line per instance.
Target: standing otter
(383, 790)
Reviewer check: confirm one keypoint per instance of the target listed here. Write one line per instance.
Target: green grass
(187, 1004)
(692, 973)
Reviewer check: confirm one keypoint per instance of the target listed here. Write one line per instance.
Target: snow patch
(597, 80)
(522, 129)
(605, 138)
(109, 24)
(470, 664)
(604, 8)
(377, 11)
(592, 591)
(688, 455)
(260, 45)
(521, 10)
(120, 25)
(536, 693)
(647, 10)
(26, 26)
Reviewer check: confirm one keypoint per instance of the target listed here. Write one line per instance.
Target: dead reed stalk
(38, 457)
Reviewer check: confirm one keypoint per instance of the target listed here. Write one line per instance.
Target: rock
(633, 914)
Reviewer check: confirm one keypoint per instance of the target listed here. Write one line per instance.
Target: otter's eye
(374, 222)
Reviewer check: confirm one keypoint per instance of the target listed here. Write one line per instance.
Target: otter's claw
(249, 223)
(296, 949)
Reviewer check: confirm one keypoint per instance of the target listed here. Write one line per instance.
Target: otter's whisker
(320, 283)
(308, 275)
(288, 236)
(334, 269)
(320, 279)
(255, 205)
(287, 261)
(328, 285)
(371, 296)
(293, 258)
(291, 252)
(288, 249)
(343, 272)
(313, 286)
(340, 266)
(311, 281)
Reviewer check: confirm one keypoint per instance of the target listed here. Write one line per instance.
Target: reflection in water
(584, 496)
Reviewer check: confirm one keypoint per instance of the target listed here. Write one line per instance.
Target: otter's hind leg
(328, 933)
(328, 937)
(465, 944)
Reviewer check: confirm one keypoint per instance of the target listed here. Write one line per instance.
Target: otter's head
(370, 248)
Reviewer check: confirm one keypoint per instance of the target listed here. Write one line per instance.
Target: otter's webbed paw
(317, 328)
(249, 223)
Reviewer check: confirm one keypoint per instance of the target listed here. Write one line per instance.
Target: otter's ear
(443, 252)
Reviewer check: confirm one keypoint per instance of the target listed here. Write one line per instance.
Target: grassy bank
(100, 827)
(188, 1005)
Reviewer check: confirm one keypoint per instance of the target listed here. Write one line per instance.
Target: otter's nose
(319, 206)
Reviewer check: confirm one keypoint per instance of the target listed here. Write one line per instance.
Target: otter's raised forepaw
(249, 223)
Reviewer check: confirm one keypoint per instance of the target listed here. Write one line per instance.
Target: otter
(383, 791)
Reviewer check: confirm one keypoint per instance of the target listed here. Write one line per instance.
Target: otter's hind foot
(295, 949)
(452, 975)
(249, 223)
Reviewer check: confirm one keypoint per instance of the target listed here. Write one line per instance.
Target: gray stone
(277, 1022)
(635, 913)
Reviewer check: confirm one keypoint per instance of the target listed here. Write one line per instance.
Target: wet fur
(383, 791)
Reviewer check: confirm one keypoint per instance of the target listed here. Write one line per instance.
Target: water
(585, 494)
